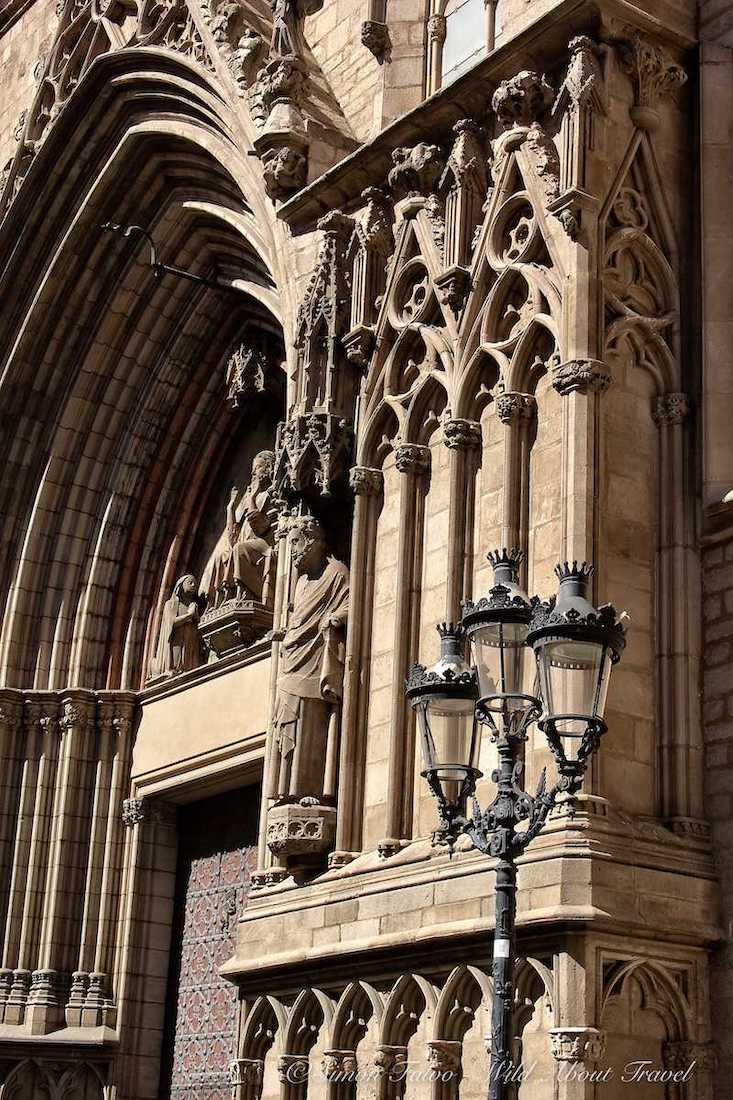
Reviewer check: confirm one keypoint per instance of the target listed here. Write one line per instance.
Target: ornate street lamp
(575, 647)
(444, 700)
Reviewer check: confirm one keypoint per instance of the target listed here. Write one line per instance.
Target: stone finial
(366, 481)
(462, 435)
(512, 407)
(577, 1044)
(582, 375)
(522, 100)
(374, 227)
(583, 83)
(671, 408)
(654, 75)
(416, 170)
(467, 159)
(410, 458)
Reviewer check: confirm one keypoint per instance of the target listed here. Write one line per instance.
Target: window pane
(465, 38)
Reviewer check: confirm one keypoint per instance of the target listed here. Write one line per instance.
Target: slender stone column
(90, 1002)
(574, 1040)
(41, 728)
(368, 486)
(413, 462)
(144, 944)
(581, 382)
(463, 439)
(678, 1055)
(11, 712)
(518, 411)
(64, 878)
(266, 873)
(245, 1078)
(681, 764)
(436, 38)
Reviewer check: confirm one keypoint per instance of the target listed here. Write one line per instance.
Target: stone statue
(251, 520)
(179, 646)
(287, 25)
(310, 673)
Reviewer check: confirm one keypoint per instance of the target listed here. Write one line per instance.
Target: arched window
(465, 37)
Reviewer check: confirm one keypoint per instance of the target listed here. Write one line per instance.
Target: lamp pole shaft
(501, 1083)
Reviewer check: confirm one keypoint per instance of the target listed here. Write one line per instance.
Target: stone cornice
(369, 165)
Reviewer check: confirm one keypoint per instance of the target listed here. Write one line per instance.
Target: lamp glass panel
(574, 679)
(498, 650)
(448, 746)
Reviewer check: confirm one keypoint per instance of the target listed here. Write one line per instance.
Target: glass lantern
(496, 627)
(575, 647)
(444, 700)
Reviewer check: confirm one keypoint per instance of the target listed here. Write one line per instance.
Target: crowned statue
(310, 671)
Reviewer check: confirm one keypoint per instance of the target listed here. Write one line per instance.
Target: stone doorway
(217, 852)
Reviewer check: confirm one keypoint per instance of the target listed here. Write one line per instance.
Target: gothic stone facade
(299, 316)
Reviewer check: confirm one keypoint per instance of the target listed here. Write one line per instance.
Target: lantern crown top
(505, 563)
(572, 613)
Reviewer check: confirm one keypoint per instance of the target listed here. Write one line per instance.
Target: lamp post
(575, 647)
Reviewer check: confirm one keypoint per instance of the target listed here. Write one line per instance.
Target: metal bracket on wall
(159, 269)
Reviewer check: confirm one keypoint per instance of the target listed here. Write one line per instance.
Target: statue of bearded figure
(251, 521)
(310, 672)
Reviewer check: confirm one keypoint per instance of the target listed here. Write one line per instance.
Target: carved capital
(522, 100)
(583, 375)
(375, 36)
(41, 715)
(437, 27)
(577, 1044)
(246, 1071)
(76, 714)
(11, 711)
(339, 1065)
(412, 459)
(462, 435)
(293, 1068)
(444, 1058)
(140, 811)
(513, 407)
(366, 481)
(654, 74)
(671, 408)
(390, 1062)
(680, 1054)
